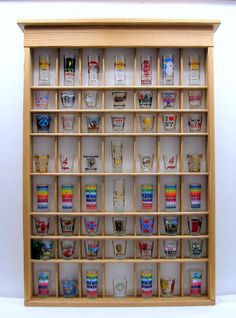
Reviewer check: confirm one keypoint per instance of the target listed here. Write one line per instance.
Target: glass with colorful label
(195, 191)
(41, 99)
(119, 99)
(91, 224)
(120, 69)
(118, 194)
(43, 123)
(67, 225)
(170, 162)
(147, 196)
(92, 283)
(146, 249)
(145, 99)
(168, 69)
(118, 123)
(168, 99)
(44, 69)
(195, 248)
(146, 162)
(46, 249)
(171, 225)
(69, 286)
(67, 191)
(146, 70)
(41, 163)
(194, 225)
(67, 162)
(67, 249)
(93, 69)
(43, 284)
(169, 121)
(35, 249)
(67, 99)
(91, 196)
(68, 122)
(119, 225)
(195, 123)
(93, 123)
(91, 163)
(195, 99)
(167, 287)
(119, 249)
(170, 248)
(195, 282)
(170, 191)
(119, 286)
(90, 99)
(194, 70)
(69, 69)
(117, 156)
(194, 162)
(42, 225)
(146, 278)
(147, 122)
(146, 224)
(91, 249)
(42, 197)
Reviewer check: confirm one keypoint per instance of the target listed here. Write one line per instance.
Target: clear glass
(67, 249)
(46, 249)
(67, 225)
(68, 99)
(44, 70)
(117, 156)
(118, 194)
(41, 163)
(91, 99)
(93, 69)
(93, 123)
(168, 69)
(42, 224)
(69, 69)
(91, 196)
(194, 70)
(119, 249)
(195, 248)
(170, 197)
(167, 287)
(170, 248)
(195, 99)
(170, 162)
(43, 123)
(147, 122)
(194, 225)
(67, 162)
(43, 284)
(146, 277)
(145, 99)
(69, 286)
(92, 283)
(169, 121)
(171, 225)
(146, 224)
(194, 162)
(68, 122)
(91, 224)
(147, 196)
(195, 191)
(41, 100)
(195, 123)
(91, 163)
(119, 99)
(195, 277)
(120, 69)
(42, 197)
(119, 286)
(119, 225)
(118, 123)
(91, 249)
(67, 191)
(146, 162)
(146, 70)
(146, 249)
(168, 99)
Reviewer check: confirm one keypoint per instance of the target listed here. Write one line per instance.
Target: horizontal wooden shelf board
(118, 134)
(120, 111)
(120, 174)
(134, 213)
(116, 237)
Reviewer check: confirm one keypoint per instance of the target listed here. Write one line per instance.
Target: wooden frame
(128, 34)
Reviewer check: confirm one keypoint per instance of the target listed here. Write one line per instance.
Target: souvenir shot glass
(93, 69)
(195, 283)
(93, 123)
(146, 70)
(170, 162)
(91, 249)
(41, 99)
(195, 99)
(91, 225)
(43, 123)
(69, 286)
(195, 248)
(145, 99)
(119, 286)
(117, 156)
(147, 196)
(146, 122)
(67, 162)
(146, 249)
(168, 99)
(118, 123)
(92, 283)
(171, 225)
(67, 225)
(167, 69)
(91, 196)
(118, 194)
(195, 191)
(68, 122)
(194, 162)
(42, 197)
(194, 70)
(42, 225)
(41, 163)
(91, 163)
(195, 123)
(67, 249)
(46, 249)
(67, 99)
(119, 99)
(67, 191)
(44, 70)
(146, 277)
(146, 225)
(120, 69)
(43, 284)
(146, 162)
(91, 99)
(170, 197)
(35, 249)
(170, 248)
(119, 225)
(169, 121)
(167, 287)
(119, 249)
(69, 69)
(194, 225)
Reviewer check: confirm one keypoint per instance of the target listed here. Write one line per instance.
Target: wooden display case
(133, 39)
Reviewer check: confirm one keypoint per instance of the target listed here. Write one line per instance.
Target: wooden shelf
(108, 110)
(120, 174)
(134, 213)
(117, 237)
(118, 134)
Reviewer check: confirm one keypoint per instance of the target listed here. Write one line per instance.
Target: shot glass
(195, 191)
(118, 194)
(167, 287)
(41, 163)
(195, 99)
(119, 99)
(195, 123)
(41, 99)
(91, 99)
(194, 69)
(42, 197)
(42, 225)
(195, 248)
(146, 162)
(92, 283)
(171, 225)
(43, 123)
(67, 162)
(120, 69)
(119, 249)
(167, 68)
(68, 122)
(194, 225)
(67, 249)
(146, 277)
(170, 162)
(170, 197)
(69, 286)
(147, 196)
(69, 69)
(145, 99)
(146, 70)
(68, 99)
(93, 123)
(91, 197)
(169, 121)
(43, 283)
(46, 249)
(195, 282)
(147, 122)
(67, 191)
(67, 225)
(91, 163)
(117, 156)
(91, 249)
(168, 99)
(44, 69)
(146, 249)
(93, 69)
(35, 249)
(194, 162)
(170, 248)
(146, 224)
(91, 225)
(118, 123)
(119, 286)
(119, 225)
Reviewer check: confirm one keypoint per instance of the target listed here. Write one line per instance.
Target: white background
(11, 95)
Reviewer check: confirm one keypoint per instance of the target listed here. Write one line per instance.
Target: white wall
(11, 88)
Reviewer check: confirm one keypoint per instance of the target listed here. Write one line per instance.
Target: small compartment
(195, 193)
(170, 248)
(92, 123)
(91, 100)
(195, 123)
(44, 67)
(69, 280)
(170, 154)
(170, 225)
(68, 100)
(195, 154)
(91, 192)
(68, 249)
(91, 160)
(69, 67)
(194, 66)
(144, 270)
(169, 99)
(95, 272)
(146, 123)
(92, 67)
(195, 99)
(146, 193)
(146, 73)
(119, 99)
(43, 225)
(68, 200)
(43, 154)
(195, 248)
(47, 280)
(169, 66)
(199, 285)
(169, 122)
(128, 224)
(146, 154)
(67, 155)
(92, 249)
(146, 248)
(43, 123)
(43, 194)
(146, 225)
(68, 123)
(195, 225)
(119, 248)
(146, 99)
(43, 100)
(118, 123)
(169, 194)
(170, 279)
